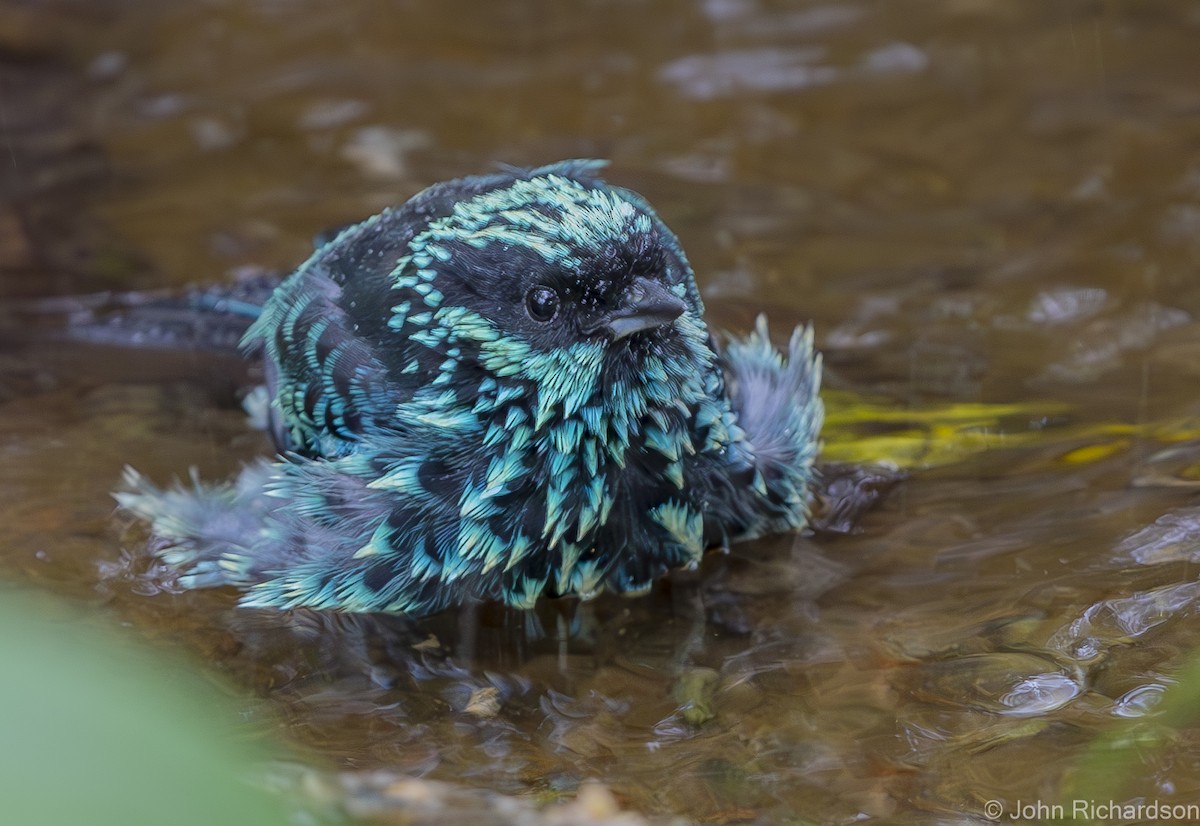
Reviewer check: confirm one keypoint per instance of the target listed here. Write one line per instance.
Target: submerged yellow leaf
(1095, 452)
(864, 430)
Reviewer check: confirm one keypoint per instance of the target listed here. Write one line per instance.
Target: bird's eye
(542, 303)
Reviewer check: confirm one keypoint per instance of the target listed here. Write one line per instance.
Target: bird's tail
(210, 319)
(202, 530)
(776, 398)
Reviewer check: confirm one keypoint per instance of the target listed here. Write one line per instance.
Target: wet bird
(502, 389)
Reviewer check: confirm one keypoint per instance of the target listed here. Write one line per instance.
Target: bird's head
(569, 284)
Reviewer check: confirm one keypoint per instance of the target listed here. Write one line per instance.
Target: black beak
(645, 305)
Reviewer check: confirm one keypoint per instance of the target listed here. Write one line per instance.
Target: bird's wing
(776, 398)
(325, 344)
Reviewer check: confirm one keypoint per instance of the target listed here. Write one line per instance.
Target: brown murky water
(977, 202)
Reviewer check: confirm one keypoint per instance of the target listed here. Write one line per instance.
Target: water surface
(976, 202)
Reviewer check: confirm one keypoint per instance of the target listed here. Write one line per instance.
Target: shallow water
(976, 202)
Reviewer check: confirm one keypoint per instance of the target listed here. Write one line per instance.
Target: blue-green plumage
(502, 389)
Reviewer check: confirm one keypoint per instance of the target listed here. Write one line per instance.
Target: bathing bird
(502, 389)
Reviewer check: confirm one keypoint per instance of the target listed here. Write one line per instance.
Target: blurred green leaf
(97, 732)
